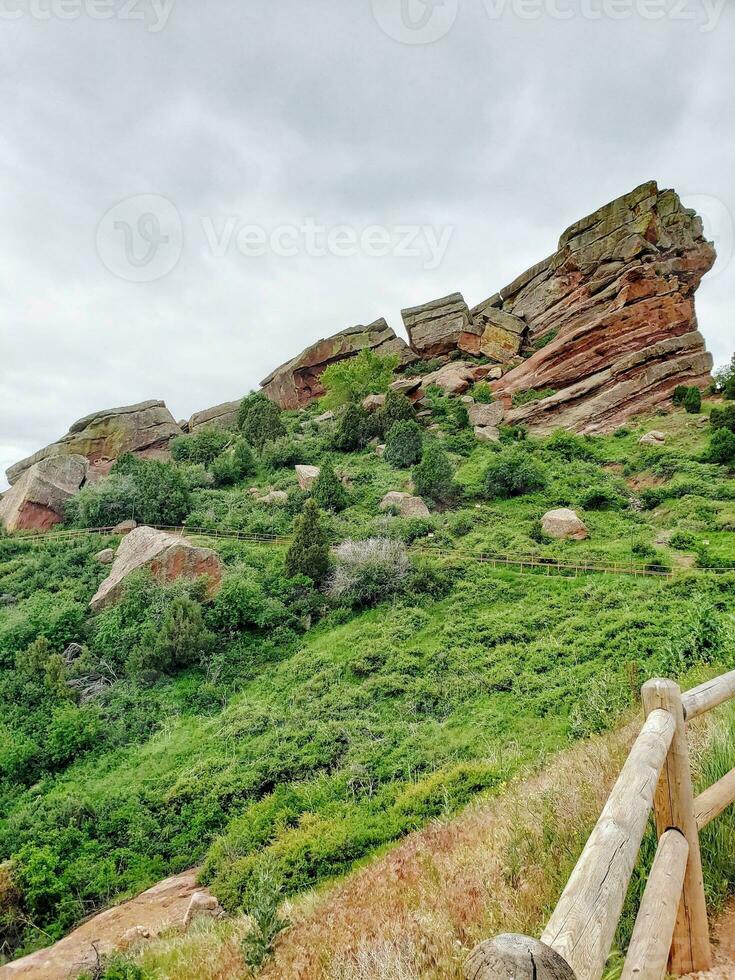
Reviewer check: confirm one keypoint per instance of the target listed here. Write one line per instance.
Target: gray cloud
(504, 131)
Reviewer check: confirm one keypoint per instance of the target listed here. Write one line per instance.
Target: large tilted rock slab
(145, 428)
(168, 556)
(434, 329)
(297, 383)
(221, 417)
(36, 501)
(613, 313)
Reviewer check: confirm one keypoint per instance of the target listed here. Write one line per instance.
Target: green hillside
(301, 722)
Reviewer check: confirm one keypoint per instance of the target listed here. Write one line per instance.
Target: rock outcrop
(296, 383)
(36, 501)
(168, 557)
(564, 524)
(435, 328)
(145, 429)
(307, 475)
(612, 313)
(220, 417)
(404, 504)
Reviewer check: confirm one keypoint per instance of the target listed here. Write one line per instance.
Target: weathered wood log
(708, 695)
(648, 953)
(674, 809)
(511, 957)
(583, 925)
(714, 800)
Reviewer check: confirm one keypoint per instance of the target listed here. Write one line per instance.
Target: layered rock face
(145, 429)
(220, 417)
(435, 328)
(296, 383)
(613, 314)
(36, 501)
(168, 557)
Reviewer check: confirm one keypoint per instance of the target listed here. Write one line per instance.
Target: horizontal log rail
(671, 934)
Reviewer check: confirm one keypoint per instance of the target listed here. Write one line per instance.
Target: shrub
(309, 551)
(482, 393)
(693, 401)
(282, 453)
(723, 418)
(532, 395)
(161, 492)
(397, 408)
(183, 640)
(683, 541)
(354, 378)
(328, 492)
(368, 572)
(513, 473)
(262, 908)
(643, 549)
(103, 504)
(433, 477)
(680, 393)
(722, 447)
(725, 380)
(259, 420)
(570, 446)
(600, 498)
(204, 447)
(403, 444)
(355, 428)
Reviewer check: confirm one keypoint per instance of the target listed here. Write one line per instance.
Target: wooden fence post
(674, 808)
(510, 957)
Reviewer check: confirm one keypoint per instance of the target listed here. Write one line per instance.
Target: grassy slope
(371, 728)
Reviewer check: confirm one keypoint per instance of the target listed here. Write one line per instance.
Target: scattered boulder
(486, 415)
(168, 557)
(296, 383)
(653, 438)
(453, 378)
(275, 497)
(307, 476)
(222, 417)
(36, 501)
(145, 429)
(487, 433)
(202, 904)
(373, 402)
(564, 524)
(404, 504)
(134, 936)
(125, 527)
(434, 329)
(380, 449)
(105, 557)
(406, 386)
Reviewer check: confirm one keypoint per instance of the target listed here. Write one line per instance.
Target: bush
(259, 420)
(267, 892)
(184, 640)
(482, 393)
(433, 477)
(693, 401)
(354, 378)
(309, 551)
(204, 447)
(722, 447)
(601, 498)
(723, 418)
(570, 446)
(680, 393)
(397, 408)
(328, 492)
(368, 572)
(355, 428)
(532, 395)
(683, 541)
(161, 491)
(283, 453)
(403, 444)
(725, 380)
(513, 473)
(103, 504)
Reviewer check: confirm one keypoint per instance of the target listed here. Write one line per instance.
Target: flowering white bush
(369, 571)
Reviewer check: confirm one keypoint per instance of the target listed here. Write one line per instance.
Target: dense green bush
(283, 453)
(328, 492)
(397, 408)
(368, 572)
(259, 420)
(309, 551)
(482, 393)
(433, 477)
(513, 473)
(104, 503)
(723, 418)
(203, 447)
(353, 378)
(680, 393)
(722, 447)
(693, 401)
(354, 430)
(403, 444)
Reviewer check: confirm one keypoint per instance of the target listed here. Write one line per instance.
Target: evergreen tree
(693, 401)
(259, 420)
(722, 447)
(434, 476)
(183, 640)
(355, 428)
(309, 551)
(403, 444)
(680, 393)
(397, 408)
(328, 491)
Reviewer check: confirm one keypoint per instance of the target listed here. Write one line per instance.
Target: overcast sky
(486, 126)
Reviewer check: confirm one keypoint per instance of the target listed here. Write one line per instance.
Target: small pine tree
(355, 428)
(259, 420)
(680, 393)
(693, 401)
(722, 447)
(328, 492)
(309, 551)
(403, 444)
(397, 408)
(434, 476)
(183, 640)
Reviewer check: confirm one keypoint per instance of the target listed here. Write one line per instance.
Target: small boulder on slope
(564, 524)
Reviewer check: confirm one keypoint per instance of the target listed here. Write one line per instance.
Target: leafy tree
(204, 447)
(353, 378)
(309, 551)
(722, 447)
(162, 494)
(328, 491)
(433, 477)
(513, 473)
(355, 428)
(397, 408)
(233, 466)
(724, 379)
(259, 420)
(403, 444)
(693, 401)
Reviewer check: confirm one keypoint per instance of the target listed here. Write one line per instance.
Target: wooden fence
(671, 931)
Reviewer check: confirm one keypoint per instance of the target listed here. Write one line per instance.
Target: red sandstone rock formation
(36, 502)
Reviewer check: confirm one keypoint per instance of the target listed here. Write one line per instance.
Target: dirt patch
(161, 907)
(723, 947)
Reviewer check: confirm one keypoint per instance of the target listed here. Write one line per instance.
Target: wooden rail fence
(671, 930)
